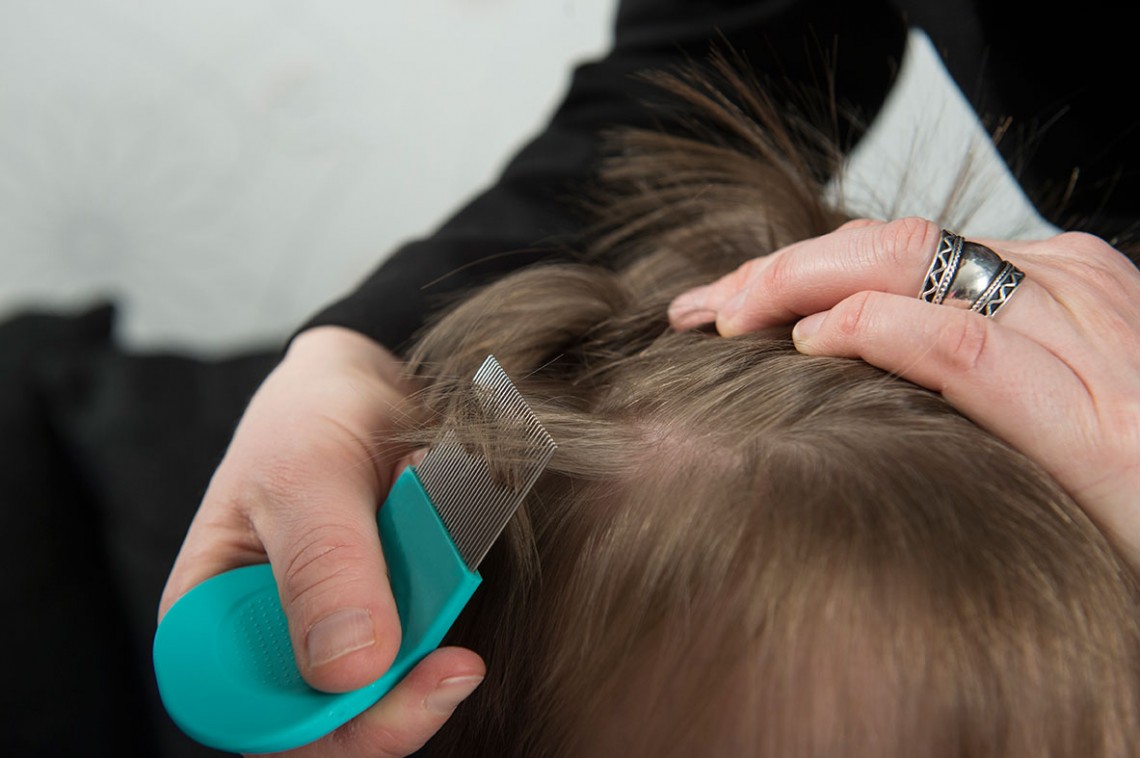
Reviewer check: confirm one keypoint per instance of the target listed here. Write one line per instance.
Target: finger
(216, 542)
(700, 305)
(408, 716)
(814, 275)
(1001, 379)
(320, 533)
(818, 273)
(802, 277)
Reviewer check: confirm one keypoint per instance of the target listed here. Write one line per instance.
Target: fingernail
(339, 634)
(450, 693)
(806, 328)
(689, 309)
(691, 319)
(690, 300)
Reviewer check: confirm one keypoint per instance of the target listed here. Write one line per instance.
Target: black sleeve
(1051, 82)
(791, 44)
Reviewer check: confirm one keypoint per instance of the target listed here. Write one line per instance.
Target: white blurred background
(222, 169)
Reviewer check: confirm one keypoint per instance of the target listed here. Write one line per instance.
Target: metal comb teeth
(475, 497)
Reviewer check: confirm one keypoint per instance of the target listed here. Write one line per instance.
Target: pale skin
(1056, 373)
(299, 486)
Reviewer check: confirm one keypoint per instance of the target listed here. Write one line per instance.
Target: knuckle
(319, 556)
(738, 279)
(1100, 278)
(1082, 242)
(379, 738)
(1092, 280)
(383, 738)
(387, 741)
(1089, 254)
(906, 240)
(778, 275)
(275, 479)
(852, 316)
(965, 339)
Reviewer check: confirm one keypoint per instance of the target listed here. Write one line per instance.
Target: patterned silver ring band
(967, 275)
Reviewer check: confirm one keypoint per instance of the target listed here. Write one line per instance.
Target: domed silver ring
(969, 275)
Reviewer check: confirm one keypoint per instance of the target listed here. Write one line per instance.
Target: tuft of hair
(741, 550)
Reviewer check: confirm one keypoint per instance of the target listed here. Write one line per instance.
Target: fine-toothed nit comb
(223, 657)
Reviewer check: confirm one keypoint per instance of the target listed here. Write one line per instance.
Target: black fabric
(105, 459)
(790, 43)
(71, 681)
(1054, 76)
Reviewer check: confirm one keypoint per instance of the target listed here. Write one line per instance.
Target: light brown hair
(741, 550)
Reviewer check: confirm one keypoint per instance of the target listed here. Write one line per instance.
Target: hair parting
(742, 550)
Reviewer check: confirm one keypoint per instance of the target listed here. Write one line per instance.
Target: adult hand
(299, 487)
(1056, 373)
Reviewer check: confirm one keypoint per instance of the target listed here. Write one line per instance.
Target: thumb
(322, 541)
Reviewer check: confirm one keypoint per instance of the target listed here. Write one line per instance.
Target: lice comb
(476, 497)
(222, 655)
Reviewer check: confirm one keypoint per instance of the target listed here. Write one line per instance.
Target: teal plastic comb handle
(223, 657)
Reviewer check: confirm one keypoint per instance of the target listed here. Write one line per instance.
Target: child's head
(741, 550)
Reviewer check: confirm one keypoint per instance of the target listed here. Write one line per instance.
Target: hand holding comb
(222, 654)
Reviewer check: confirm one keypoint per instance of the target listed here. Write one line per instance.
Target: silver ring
(968, 275)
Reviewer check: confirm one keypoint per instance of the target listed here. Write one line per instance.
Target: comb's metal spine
(474, 508)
